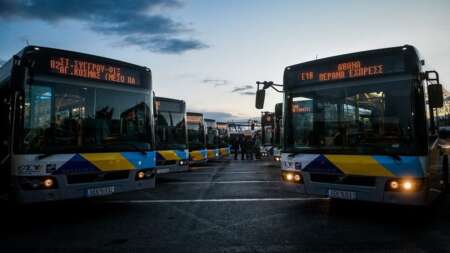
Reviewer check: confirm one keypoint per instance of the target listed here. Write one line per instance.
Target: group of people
(246, 145)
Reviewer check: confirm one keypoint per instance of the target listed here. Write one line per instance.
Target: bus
(198, 154)
(224, 140)
(212, 139)
(267, 134)
(278, 126)
(362, 126)
(172, 154)
(74, 126)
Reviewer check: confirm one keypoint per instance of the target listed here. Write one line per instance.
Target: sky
(210, 53)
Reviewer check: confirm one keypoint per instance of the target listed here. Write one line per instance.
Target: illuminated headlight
(404, 185)
(291, 177)
(182, 162)
(140, 175)
(37, 183)
(277, 158)
(145, 174)
(48, 183)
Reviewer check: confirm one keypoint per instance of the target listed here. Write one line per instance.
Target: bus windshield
(196, 135)
(170, 130)
(65, 118)
(368, 119)
(212, 135)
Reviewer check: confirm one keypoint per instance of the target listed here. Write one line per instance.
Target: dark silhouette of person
(243, 147)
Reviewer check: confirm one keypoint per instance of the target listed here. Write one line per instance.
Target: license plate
(103, 191)
(341, 194)
(160, 171)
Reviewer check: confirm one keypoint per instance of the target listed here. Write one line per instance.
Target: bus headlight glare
(297, 177)
(394, 185)
(289, 176)
(48, 183)
(408, 185)
(141, 175)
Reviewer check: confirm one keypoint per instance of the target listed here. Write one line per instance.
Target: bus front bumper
(65, 191)
(163, 169)
(376, 193)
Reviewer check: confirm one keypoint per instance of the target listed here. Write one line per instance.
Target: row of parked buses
(76, 125)
(186, 138)
(363, 126)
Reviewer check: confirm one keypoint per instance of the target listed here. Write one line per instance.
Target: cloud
(135, 22)
(248, 93)
(216, 82)
(242, 88)
(224, 116)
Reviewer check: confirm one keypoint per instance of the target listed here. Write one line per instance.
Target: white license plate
(103, 191)
(162, 171)
(341, 194)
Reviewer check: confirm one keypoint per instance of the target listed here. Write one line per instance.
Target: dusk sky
(210, 53)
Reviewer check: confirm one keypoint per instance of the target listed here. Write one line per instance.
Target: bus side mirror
(435, 95)
(260, 97)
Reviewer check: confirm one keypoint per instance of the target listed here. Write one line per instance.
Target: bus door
(5, 138)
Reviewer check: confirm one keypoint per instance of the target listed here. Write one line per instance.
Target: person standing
(235, 144)
(243, 147)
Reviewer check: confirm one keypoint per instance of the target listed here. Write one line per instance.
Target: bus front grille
(97, 177)
(343, 179)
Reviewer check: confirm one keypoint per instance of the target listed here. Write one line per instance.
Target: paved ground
(229, 207)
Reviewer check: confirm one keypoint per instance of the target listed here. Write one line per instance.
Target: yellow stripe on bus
(196, 155)
(359, 165)
(108, 161)
(169, 155)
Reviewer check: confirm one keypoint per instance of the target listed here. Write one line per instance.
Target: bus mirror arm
(261, 92)
(434, 89)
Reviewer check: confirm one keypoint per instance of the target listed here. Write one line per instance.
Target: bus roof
(172, 100)
(349, 55)
(194, 114)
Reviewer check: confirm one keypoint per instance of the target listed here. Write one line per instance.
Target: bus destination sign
(94, 71)
(349, 68)
(343, 70)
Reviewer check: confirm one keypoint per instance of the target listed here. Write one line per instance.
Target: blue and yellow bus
(172, 154)
(278, 127)
(362, 126)
(212, 139)
(75, 126)
(267, 135)
(224, 140)
(198, 153)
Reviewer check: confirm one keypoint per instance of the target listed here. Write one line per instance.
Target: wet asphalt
(237, 206)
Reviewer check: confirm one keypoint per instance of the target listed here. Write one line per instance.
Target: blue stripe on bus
(183, 154)
(406, 166)
(77, 164)
(141, 161)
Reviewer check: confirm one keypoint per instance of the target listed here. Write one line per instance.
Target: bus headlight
(48, 183)
(145, 174)
(404, 185)
(291, 177)
(37, 183)
(277, 158)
